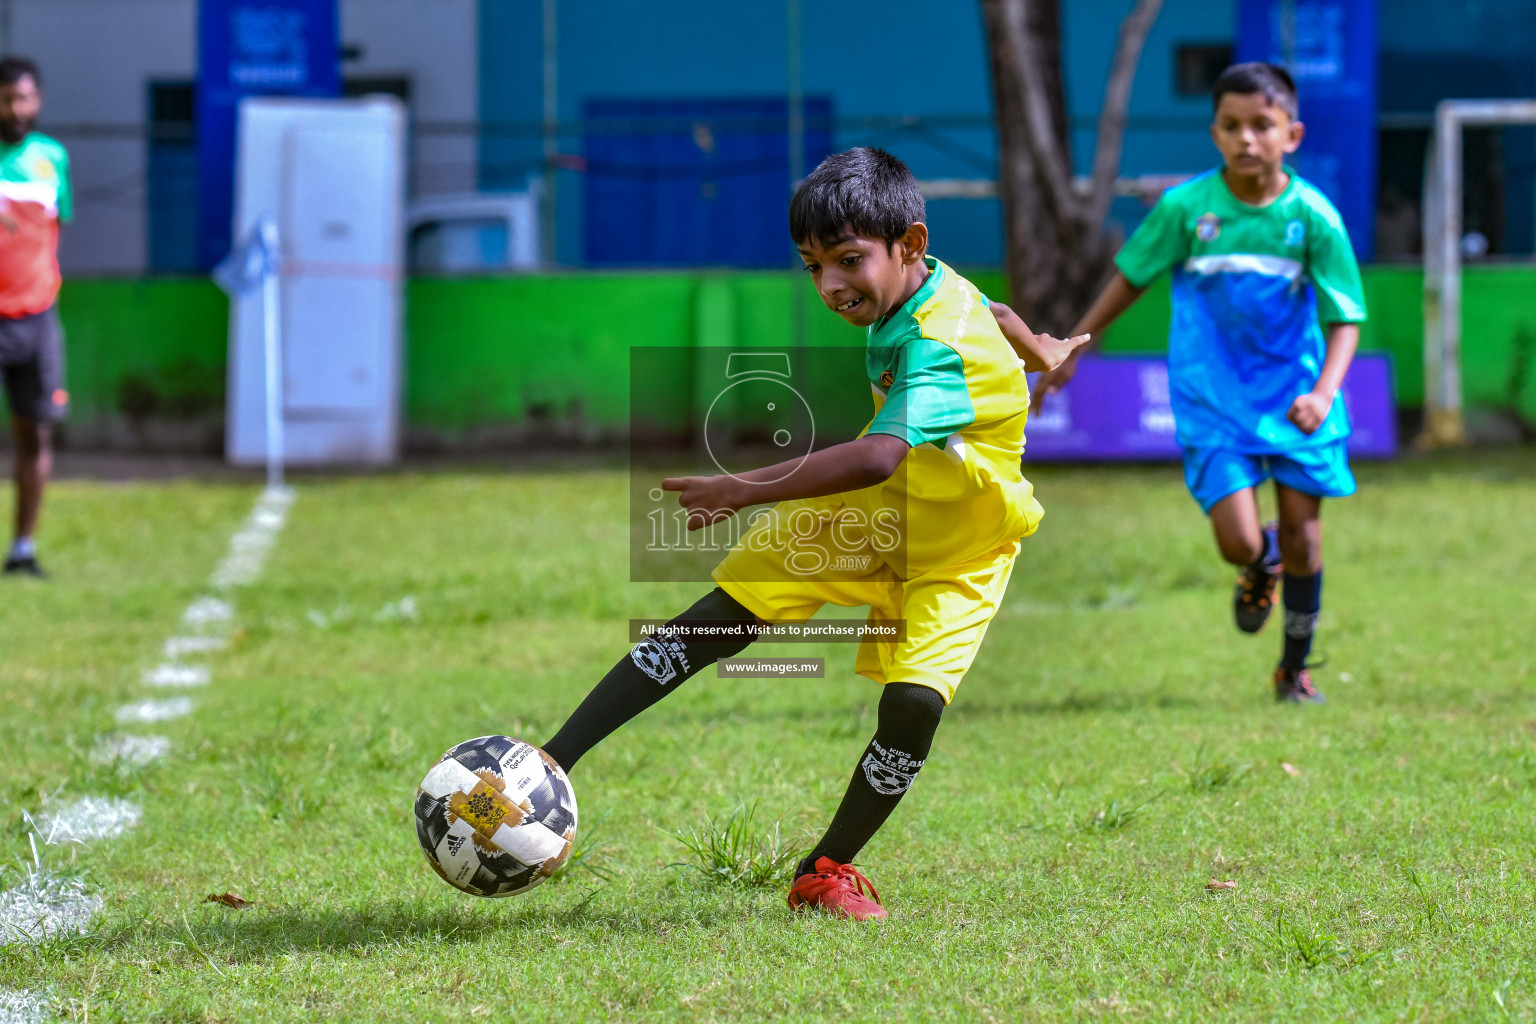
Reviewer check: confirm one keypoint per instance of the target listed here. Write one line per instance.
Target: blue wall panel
(693, 182)
(251, 48)
(1329, 46)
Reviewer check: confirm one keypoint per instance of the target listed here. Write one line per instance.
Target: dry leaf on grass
(1216, 885)
(229, 899)
(1290, 769)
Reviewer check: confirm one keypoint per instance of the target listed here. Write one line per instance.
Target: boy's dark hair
(13, 69)
(1273, 82)
(865, 189)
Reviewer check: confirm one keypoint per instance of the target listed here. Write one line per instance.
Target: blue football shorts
(1322, 471)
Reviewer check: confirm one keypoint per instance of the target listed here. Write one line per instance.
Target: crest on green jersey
(1208, 227)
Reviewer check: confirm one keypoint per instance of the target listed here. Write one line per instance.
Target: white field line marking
(178, 647)
(206, 613)
(22, 1006)
(133, 750)
(395, 611)
(171, 674)
(248, 549)
(89, 818)
(154, 710)
(45, 904)
(43, 907)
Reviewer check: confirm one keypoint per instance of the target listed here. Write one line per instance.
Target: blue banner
(251, 48)
(1329, 46)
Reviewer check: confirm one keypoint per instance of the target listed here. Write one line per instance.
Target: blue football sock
(1271, 556)
(1303, 599)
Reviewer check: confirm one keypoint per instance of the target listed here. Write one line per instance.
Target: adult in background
(34, 200)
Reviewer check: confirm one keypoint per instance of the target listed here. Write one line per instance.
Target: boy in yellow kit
(927, 506)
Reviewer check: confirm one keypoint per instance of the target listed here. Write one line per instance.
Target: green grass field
(1114, 749)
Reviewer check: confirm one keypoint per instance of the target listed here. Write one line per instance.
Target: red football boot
(1294, 685)
(837, 889)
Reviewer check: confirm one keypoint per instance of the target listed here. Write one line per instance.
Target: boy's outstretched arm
(1309, 410)
(849, 466)
(1116, 298)
(1040, 353)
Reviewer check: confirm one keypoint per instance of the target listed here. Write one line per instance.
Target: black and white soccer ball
(495, 816)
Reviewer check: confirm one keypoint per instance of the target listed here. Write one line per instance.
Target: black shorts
(32, 362)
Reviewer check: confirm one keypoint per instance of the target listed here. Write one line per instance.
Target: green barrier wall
(144, 349)
(516, 352)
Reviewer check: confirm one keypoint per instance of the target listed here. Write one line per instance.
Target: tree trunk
(1058, 252)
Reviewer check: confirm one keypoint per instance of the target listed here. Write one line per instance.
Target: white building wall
(435, 42)
(97, 57)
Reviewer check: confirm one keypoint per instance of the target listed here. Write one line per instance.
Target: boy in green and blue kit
(1267, 304)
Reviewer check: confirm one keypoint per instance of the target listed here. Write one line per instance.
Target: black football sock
(1303, 598)
(909, 716)
(651, 670)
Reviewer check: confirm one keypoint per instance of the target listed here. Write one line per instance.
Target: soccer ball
(495, 816)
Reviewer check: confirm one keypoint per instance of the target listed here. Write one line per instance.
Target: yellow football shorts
(785, 574)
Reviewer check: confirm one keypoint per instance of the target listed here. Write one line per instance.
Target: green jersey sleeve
(1332, 269)
(929, 398)
(1158, 243)
(66, 200)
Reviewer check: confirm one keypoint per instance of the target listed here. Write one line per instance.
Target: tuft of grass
(391, 750)
(1500, 992)
(1206, 774)
(735, 852)
(44, 906)
(1116, 815)
(269, 788)
(587, 854)
(1310, 946)
(1433, 908)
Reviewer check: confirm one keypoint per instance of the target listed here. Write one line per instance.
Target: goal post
(1444, 422)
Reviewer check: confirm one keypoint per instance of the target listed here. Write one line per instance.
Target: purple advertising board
(1116, 410)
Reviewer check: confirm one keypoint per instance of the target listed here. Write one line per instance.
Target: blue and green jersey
(1252, 286)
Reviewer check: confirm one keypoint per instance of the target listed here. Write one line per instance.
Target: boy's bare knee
(31, 438)
(1240, 550)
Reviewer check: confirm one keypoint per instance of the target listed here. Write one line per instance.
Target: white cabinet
(330, 172)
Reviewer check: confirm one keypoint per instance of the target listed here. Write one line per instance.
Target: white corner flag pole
(272, 332)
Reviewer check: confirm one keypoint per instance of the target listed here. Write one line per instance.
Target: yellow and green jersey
(34, 199)
(946, 381)
(1251, 285)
